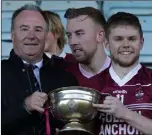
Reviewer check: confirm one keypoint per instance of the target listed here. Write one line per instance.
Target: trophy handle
(47, 104)
(105, 94)
(48, 107)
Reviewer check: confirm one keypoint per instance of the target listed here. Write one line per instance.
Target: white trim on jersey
(140, 106)
(138, 84)
(126, 78)
(89, 75)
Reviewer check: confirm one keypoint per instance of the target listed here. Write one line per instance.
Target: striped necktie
(43, 128)
(33, 81)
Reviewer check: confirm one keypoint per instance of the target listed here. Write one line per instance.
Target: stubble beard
(124, 63)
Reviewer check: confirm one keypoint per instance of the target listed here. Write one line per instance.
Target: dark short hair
(123, 18)
(95, 14)
(31, 7)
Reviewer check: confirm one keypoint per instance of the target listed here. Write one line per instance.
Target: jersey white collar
(89, 75)
(126, 78)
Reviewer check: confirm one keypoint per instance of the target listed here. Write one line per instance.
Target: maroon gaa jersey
(92, 82)
(87, 79)
(135, 92)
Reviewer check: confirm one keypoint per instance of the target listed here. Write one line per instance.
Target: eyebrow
(127, 36)
(77, 31)
(23, 26)
(38, 27)
(80, 30)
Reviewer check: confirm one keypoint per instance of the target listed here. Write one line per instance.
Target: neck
(58, 51)
(54, 49)
(31, 61)
(122, 71)
(96, 62)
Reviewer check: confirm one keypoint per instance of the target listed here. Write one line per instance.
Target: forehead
(80, 22)
(28, 16)
(124, 30)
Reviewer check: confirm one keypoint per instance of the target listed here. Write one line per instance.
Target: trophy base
(74, 128)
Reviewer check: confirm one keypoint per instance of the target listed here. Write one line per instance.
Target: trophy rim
(53, 101)
(77, 87)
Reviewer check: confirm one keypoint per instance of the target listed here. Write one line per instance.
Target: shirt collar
(38, 64)
(127, 77)
(89, 75)
(48, 54)
(63, 54)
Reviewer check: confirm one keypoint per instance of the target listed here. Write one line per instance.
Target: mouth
(125, 53)
(30, 44)
(77, 50)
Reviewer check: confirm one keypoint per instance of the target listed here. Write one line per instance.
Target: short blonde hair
(56, 27)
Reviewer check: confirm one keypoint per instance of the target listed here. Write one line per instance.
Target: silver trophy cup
(74, 106)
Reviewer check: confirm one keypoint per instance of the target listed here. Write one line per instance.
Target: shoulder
(54, 61)
(63, 72)
(69, 78)
(5, 64)
(58, 77)
(70, 58)
(7, 73)
(146, 70)
(56, 71)
(74, 69)
(145, 73)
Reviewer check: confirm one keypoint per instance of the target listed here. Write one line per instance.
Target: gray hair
(31, 7)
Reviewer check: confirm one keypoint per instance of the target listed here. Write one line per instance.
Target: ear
(106, 44)
(141, 43)
(12, 36)
(100, 36)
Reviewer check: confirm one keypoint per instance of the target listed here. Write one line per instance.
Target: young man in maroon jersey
(86, 36)
(129, 110)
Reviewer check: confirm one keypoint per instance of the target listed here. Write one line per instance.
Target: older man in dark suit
(24, 91)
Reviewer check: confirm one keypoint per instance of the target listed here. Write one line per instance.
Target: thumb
(57, 131)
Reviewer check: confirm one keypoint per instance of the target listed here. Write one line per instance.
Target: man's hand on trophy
(112, 105)
(35, 102)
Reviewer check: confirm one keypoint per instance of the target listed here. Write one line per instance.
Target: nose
(73, 40)
(31, 34)
(126, 43)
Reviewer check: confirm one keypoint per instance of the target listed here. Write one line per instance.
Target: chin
(31, 52)
(83, 61)
(79, 60)
(127, 64)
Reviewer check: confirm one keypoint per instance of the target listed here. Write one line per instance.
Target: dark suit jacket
(16, 87)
